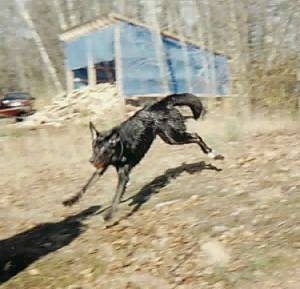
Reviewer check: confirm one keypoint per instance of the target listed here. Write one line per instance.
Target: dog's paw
(108, 216)
(219, 157)
(214, 155)
(69, 202)
(72, 200)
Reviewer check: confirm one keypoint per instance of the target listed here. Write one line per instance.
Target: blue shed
(141, 60)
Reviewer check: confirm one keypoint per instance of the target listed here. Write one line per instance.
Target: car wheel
(20, 117)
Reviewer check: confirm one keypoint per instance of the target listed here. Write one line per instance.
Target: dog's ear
(94, 131)
(115, 138)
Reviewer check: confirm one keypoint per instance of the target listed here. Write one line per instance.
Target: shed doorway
(105, 72)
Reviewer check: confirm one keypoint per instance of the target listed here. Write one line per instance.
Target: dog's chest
(137, 137)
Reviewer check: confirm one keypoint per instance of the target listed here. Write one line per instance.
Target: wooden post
(118, 59)
(70, 80)
(297, 89)
(158, 45)
(92, 74)
(159, 50)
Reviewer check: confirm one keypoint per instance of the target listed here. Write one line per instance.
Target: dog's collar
(122, 149)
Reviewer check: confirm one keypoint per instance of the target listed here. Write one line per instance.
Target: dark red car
(16, 104)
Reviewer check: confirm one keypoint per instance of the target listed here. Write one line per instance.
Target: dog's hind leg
(123, 178)
(173, 137)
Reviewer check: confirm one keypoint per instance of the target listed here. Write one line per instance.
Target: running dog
(125, 145)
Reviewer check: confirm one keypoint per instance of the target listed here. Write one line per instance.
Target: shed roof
(87, 27)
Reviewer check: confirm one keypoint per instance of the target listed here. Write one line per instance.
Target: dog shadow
(163, 180)
(21, 250)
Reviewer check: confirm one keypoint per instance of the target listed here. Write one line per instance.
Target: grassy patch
(57, 271)
(232, 130)
(13, 132)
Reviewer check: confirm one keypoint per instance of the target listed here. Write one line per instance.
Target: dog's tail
(186, 99)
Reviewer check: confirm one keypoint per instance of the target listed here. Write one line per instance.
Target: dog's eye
(112, 141)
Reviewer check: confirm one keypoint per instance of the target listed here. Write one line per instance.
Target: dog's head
(104, 146)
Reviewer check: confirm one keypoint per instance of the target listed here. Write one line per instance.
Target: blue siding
(176, 66)
(77, 53)
(222, 74)
(141, 72)
(208, 73)
(200, 75)
(98, 46)
(102, 44)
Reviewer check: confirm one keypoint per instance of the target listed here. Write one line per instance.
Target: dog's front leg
(123, 178)
(72, 200)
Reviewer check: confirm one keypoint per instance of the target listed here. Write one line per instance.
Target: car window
(16, 95)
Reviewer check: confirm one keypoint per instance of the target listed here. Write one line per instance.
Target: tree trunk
(37, 39)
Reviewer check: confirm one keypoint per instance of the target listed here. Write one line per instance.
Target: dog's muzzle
(97, 165)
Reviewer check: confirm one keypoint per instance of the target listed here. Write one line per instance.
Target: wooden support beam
(118, 59)
(92, 79)
(70, 80)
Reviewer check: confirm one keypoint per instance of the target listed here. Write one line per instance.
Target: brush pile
(100, 101)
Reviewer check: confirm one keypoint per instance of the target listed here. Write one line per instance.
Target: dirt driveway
(183, 223)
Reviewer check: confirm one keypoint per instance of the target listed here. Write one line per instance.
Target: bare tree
(60, 15)
(260, 36)
(37, 39)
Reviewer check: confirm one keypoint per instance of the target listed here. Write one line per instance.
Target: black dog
(125, 145)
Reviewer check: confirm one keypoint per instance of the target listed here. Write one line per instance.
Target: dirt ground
(185, 222)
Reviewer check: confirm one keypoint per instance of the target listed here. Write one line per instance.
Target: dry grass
(255, 198)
